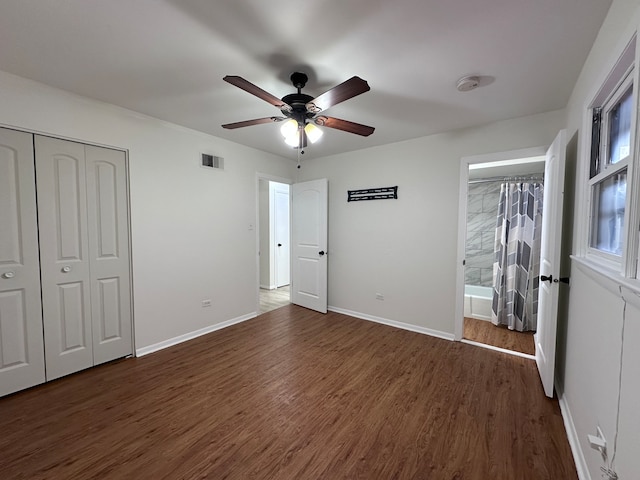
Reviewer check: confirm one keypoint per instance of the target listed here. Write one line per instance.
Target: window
(613, 119)
(610, 153)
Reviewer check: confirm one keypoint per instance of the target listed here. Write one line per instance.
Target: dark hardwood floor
(483, 331)
(292, 394)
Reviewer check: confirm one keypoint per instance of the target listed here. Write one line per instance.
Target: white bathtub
(477, 302)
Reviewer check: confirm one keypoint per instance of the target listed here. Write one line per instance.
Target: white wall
(590, 365)
(191, 238)
(406, 248)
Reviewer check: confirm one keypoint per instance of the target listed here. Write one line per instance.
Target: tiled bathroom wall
(482, 212)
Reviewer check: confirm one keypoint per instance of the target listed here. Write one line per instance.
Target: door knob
(321, 252)
(8, 275)
(544, 278)
(66, 269)
(279, 244)
(561, 280)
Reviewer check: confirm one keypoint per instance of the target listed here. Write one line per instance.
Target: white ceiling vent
(211, 161)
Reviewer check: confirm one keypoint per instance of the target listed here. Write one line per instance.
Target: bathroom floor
(483, 331)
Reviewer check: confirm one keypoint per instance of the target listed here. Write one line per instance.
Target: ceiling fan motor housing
(298, 101)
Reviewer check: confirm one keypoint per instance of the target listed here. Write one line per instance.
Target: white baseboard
(268, 287)
(572, 435)
(191, 335)
(393, 323)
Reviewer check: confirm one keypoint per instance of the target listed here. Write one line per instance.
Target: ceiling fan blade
(257, 91)
(344, 125)
(257, 121)
(346, 90)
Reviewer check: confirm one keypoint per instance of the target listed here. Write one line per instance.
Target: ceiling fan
(303, 111)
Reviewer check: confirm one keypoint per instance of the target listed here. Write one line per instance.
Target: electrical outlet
(379, 296)
(598, 442)
(206, 303)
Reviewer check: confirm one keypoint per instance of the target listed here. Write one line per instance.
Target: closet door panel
(109, 253)
(21, 346)
(62, 214)
(72, 305)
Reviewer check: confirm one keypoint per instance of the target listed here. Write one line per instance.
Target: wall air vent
(211, 161)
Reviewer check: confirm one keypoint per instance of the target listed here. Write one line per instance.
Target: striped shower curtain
(516, 267)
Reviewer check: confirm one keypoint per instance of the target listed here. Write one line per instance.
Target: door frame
(462, 229)
(270, 178)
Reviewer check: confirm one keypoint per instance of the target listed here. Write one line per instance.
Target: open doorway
(487, 184)
(273, 244)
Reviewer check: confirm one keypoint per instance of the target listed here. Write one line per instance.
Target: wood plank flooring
(486, 332)
(292, 394)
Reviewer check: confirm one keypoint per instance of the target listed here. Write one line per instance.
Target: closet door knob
(8, 275)
(66, 269)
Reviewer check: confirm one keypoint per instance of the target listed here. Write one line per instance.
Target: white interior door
(64, 255)
(21, 347)
(309, 215)
(545, 337)
(282, 234)
(108, 235)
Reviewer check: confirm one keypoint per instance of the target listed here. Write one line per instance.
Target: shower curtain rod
(533, 178)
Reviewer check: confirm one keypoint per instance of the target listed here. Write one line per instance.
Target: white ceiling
(166, 59)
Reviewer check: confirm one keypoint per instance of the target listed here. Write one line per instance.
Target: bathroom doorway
(487, 179)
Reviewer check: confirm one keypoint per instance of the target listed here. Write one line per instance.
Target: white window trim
(624, 68)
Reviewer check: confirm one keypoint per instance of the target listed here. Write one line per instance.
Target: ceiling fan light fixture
(293, 140)
(289, 128)
(313, 132)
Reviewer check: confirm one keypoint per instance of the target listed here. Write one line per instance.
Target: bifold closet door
(109, 254)
(64, 256)
(83, 226)
(21, 347)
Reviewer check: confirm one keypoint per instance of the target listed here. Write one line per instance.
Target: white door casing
(282, 250)
(21, 345)
(545, 337)
(108, 235)
(309, 216)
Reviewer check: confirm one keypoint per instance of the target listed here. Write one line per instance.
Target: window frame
(607, 169)
(623, 75)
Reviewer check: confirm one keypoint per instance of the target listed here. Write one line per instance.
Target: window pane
(609, 213)
(620, 129)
